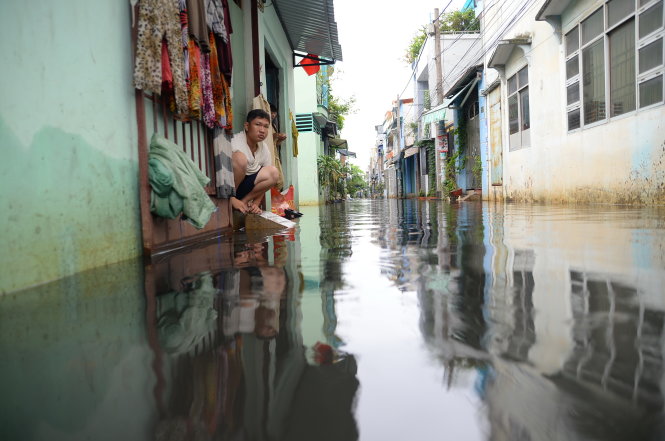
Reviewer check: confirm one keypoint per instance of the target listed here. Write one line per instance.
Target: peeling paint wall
(620, 161)
(68, 172)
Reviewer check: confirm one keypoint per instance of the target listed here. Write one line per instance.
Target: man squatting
(253, 172)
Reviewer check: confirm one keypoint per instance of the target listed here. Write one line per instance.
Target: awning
(465, 90)
(436, 114)
(310, 26)
(503, 50)
(463, 80)
(320, 119)
(345, 152)
(552, 8)
(411, 151)
(338, 143)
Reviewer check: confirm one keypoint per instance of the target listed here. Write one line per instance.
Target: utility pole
(438, 60)
(399, 171)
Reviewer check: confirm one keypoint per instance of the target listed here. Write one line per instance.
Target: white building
(574, 100)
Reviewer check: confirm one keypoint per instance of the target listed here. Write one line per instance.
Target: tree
(459, 21)
(356, 181)
(454, 21)
(338, 108)
(415, 45)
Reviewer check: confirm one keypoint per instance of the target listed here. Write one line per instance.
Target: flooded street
(376, 320)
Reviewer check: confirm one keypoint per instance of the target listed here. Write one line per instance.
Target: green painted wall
(76, 361)
(309, 143)
(310, 147)
(68, 167)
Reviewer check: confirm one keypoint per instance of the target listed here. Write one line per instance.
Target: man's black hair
(257, 113)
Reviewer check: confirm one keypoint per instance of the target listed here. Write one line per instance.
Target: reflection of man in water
(267, 314)
(256, 305)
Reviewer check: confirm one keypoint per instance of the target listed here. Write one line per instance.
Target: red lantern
(311, 70)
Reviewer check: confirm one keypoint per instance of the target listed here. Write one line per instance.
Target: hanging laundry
(294, 133)
(198, 27)
(206, 92)
(167, 80)
(215, 17)
(223, 165)
(195, 97)
(182, 5)
(227, 122)
(158, 19)
(225, 52)
(217, 85)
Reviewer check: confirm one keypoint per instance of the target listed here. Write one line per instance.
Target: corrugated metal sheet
(310, 26)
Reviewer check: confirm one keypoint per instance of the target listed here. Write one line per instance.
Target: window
(519, 121)
(614, 61)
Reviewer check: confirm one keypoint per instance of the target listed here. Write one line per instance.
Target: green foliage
(338, 108)
(413, 127)
(461, 164)
(356, 181)
(330, 173)
(338, 179)
(454, 21)
(450, 184)
(477, 168)
(415, 45)
(459, 21)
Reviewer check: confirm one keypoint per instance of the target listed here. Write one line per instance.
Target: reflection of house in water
(512, 332)
(575, 331)
(619, 342)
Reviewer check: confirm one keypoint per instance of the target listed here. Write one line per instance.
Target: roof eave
(552, 8)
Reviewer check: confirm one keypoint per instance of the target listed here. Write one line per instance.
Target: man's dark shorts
(246, 185)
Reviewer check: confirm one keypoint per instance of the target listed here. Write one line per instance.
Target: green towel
(177, 184)
(160, 177)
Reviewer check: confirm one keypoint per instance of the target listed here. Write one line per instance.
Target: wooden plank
(144, 185)
(267, 221)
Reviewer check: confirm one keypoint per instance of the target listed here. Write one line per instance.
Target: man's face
(257, 129)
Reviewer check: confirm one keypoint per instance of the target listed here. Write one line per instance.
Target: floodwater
(375, 320)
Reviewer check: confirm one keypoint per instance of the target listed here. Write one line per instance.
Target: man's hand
(279, 137)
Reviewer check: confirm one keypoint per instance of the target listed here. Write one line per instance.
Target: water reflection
(557, 314)
(376, 320)
(233, 362)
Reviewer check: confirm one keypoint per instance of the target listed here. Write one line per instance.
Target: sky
(374, 36)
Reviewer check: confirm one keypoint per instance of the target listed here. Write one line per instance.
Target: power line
(498, 34)
(422, 48)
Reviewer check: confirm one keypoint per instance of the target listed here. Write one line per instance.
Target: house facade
(316, 131)
(575, 101)
(434, 110)
(74, 184)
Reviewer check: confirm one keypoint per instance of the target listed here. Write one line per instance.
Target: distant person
(253, 172)
(278, 137)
